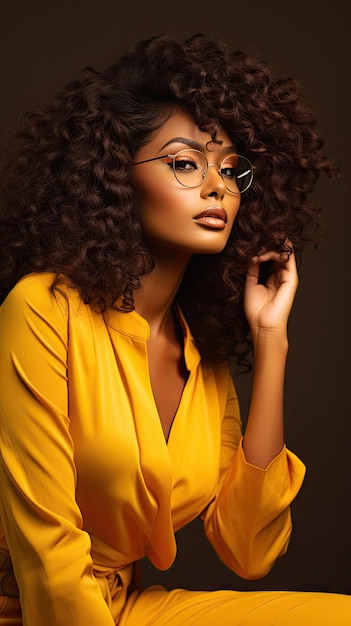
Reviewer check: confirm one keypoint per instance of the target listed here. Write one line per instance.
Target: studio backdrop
(44, 44)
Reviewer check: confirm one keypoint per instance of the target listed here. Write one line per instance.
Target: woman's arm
(42, 522)
(267, 307)
(249, 522)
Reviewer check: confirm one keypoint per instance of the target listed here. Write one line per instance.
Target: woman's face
(177, 219)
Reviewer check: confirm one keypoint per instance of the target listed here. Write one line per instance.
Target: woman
(151, 216)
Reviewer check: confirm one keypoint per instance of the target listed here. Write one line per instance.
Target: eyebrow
(196, 145)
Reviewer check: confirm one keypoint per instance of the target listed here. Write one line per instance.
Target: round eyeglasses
(190, 167)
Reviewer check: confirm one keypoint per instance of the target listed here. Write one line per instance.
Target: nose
(213, 184)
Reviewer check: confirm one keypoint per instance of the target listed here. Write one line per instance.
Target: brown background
(44, 44)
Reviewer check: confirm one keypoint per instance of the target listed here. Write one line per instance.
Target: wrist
(270, 338)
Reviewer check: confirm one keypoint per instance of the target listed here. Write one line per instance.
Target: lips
(212, 216)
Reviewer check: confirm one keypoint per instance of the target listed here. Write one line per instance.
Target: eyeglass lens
(190, 168)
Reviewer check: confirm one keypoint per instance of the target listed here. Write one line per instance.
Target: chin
(209, 251)
(211, 247)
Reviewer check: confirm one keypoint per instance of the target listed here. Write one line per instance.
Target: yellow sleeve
(249, 521)
(41, 520)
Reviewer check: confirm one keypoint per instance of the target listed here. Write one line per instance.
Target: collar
(136, 327)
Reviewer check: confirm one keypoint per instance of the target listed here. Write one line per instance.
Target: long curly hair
(67, 194)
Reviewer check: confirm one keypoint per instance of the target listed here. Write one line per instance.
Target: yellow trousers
(157, 607)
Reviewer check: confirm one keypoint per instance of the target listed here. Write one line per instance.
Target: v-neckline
(184, 375)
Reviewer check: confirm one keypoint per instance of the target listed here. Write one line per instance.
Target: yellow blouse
(88, 483)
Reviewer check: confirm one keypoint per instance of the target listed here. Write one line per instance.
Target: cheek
(148, 193)
(155, 200)
(236, 201)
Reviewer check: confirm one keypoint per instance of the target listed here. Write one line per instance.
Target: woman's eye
(228, 172)
(185, 165)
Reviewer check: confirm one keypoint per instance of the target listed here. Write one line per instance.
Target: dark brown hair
(67, 194)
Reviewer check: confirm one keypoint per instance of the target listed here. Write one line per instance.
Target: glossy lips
(214, 217)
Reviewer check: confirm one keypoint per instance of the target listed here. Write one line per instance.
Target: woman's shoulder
(34, 292)
(32, 284)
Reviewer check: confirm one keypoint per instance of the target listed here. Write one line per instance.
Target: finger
(252, 273)
(282, 256)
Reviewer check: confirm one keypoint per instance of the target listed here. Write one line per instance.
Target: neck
(155, 298)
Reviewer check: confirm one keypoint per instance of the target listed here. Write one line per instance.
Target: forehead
(181, 125)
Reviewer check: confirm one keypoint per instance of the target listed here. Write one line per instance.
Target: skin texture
(167, 211)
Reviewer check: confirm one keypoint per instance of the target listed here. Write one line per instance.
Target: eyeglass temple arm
(163, 156)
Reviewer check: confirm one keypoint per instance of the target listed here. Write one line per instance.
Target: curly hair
(67, 193)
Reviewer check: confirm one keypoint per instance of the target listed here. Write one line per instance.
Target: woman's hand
(267, 306)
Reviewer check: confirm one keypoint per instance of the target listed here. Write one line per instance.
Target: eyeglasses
(190, 169)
